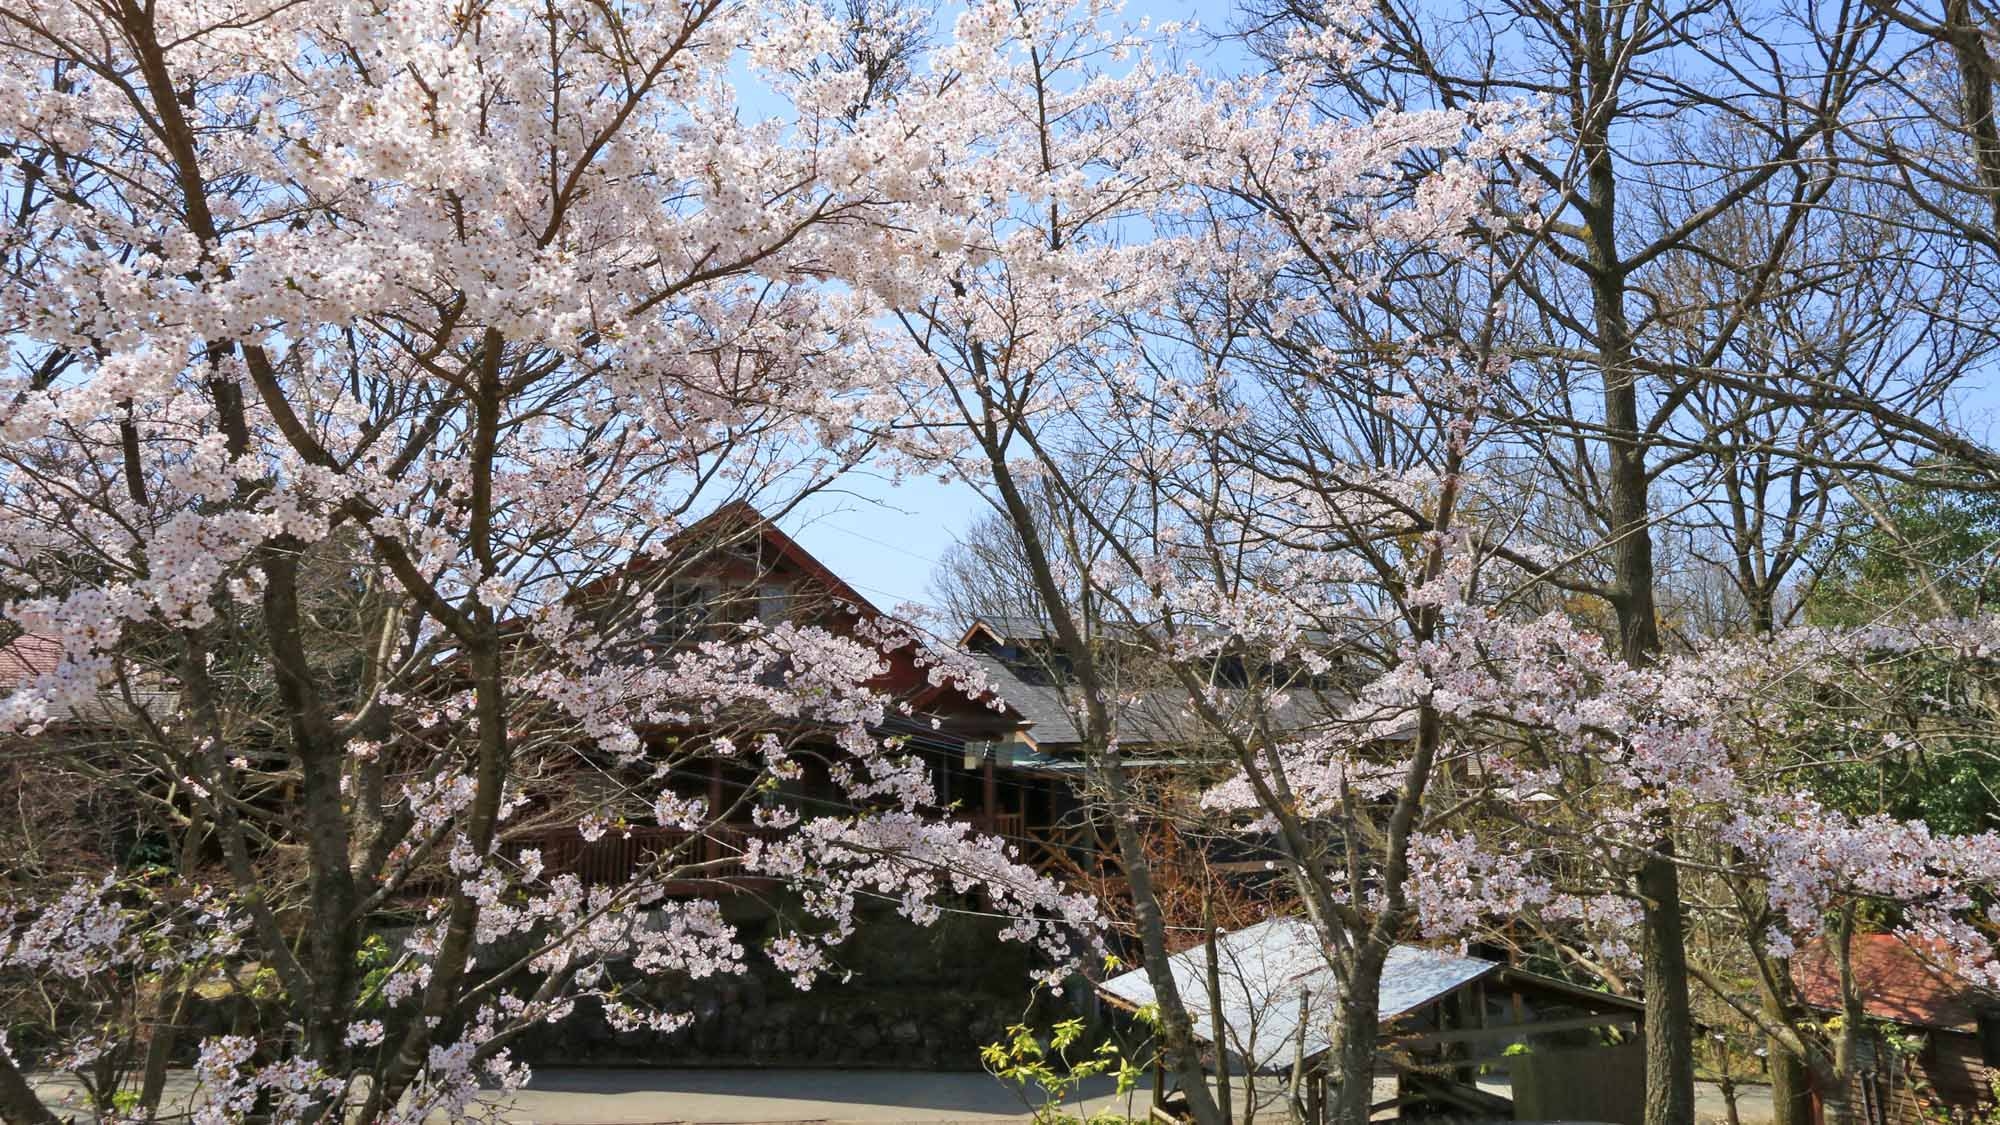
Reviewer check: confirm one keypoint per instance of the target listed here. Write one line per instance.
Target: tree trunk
(1791, 1086)
(1183, 1055)
(1669, 1026)
(332, 935)
(1181, 1051)
(1351, 1057)
(1669, 1020)
(1217, 1020)
(1838, 1097)
(170, 1008)
(18, 1102)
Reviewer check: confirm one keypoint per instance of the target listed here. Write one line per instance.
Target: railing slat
(617, 856)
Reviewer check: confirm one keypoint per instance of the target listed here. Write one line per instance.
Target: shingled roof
(1153, 718)
(1156, 717)
(26, 658)
(1900, 979)
(30, 656)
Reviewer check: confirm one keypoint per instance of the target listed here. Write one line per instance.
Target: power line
(882, 543)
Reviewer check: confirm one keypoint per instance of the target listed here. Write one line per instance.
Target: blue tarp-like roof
(1263, 971)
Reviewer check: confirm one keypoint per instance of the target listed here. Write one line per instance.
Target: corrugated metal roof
(1265, 968)
(1158, 717)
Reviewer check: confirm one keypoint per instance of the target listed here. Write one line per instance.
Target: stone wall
(925, 997)
(914, 997)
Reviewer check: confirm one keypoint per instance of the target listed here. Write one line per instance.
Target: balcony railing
(711, 856)
(707, 859)
(1008, 826)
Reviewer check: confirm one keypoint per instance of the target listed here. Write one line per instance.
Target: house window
(774, 603)
(688, 608)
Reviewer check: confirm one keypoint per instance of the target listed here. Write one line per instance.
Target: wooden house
(1945, 1053)
(732, 567)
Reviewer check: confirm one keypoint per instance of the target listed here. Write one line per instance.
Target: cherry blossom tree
(367, 367)
(1294, 469)
(1209, 518)
(370, 370)
(1763, 231)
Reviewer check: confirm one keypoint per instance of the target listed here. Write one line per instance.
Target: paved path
(833, 1097)
(726, 1097)
(1753, 1102)
(864, 1097)
(743, 1097)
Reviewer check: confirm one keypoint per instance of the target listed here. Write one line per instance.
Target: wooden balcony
(708, 861)
(1006, 825)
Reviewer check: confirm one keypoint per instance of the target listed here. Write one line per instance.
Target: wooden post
(1296, 1096)
(990, 790)
(1218, 1023)
(713, 850)
(1469, 1006)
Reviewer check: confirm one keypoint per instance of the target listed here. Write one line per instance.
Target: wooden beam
(712, 847)
(1524, 981)
(1512, 1031)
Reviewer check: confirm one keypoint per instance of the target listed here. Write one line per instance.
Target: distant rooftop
(27, 657)
(30, 656)
(1900, 979)
(1265, 969)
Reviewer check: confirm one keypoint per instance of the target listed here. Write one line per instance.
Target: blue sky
(885, 539)
(882, 538)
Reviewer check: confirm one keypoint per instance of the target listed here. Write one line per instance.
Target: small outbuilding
(1460, 1035)
(1947, 1050)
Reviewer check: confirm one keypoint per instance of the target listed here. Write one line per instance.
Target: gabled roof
(1006, 628)
(1158, 717)
(1044, 707)
(1019, 656)
(1265, 969)
(1903, 980)
(737, 522)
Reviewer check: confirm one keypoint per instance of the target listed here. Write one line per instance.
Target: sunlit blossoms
(394, 395)
(370, 374)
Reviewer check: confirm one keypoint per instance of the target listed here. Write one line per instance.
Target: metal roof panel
(1265, 969)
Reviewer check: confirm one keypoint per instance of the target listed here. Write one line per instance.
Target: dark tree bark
(18, 1102)
(1791, 1082)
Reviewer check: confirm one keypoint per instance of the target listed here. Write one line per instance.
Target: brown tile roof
(1900, 979)
(29, 656)
(26, 657)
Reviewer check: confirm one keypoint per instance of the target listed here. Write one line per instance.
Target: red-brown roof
(738, 519)
(1900, 979)
(26, 657)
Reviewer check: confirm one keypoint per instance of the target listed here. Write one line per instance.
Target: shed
(1904, 981)
(1445, 1017)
